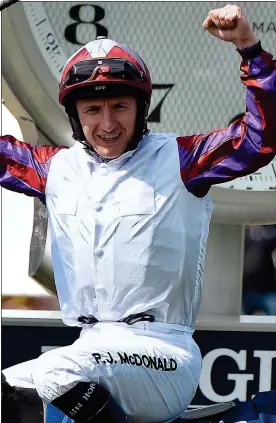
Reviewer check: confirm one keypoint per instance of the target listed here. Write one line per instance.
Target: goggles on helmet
(89, 70)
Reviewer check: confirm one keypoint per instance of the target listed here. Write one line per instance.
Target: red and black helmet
(105, 68)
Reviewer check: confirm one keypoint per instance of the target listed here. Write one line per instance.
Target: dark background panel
(21, 343)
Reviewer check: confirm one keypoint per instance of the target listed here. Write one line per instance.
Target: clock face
(196, 84)
(264, 179)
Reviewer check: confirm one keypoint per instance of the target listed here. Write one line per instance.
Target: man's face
(108, 123)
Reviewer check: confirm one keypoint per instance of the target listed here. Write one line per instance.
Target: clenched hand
(229, 24)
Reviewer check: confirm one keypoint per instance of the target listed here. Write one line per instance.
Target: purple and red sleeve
(246, 145)
(24, 168)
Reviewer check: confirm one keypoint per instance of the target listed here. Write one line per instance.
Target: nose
(109, 121)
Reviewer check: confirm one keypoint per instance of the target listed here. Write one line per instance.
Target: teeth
(108, 137)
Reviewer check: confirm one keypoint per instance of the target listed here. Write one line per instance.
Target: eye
(93, 109)
(119, 106)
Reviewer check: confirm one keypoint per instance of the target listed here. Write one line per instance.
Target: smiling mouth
(108, 138)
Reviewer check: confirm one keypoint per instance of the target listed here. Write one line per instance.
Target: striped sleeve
(24, 168)
(246, 145)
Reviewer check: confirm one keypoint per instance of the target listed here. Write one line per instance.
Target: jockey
(129, 213)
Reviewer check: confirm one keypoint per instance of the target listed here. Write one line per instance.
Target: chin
(110, 155)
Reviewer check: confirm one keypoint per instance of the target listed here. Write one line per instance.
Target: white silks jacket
(127, 237)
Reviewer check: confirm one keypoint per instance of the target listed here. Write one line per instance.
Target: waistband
(130, 320)
(163, 327)
(141, 321)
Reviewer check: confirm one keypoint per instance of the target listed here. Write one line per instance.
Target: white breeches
(151, 371)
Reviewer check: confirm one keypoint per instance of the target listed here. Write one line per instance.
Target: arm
(247, 144)
(23, 167)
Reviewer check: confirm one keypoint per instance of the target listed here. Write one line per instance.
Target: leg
(90, 402)
(22, 401)
(20, 375)
(84, 400)
(153, 377)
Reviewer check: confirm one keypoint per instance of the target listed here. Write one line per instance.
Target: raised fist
(229, 24)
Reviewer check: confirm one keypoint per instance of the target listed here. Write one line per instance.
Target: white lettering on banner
(266, 358)
(241, 380)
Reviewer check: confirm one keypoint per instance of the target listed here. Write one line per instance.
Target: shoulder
(165, 136)
(63, 153)
(159, 140)
(45, 153)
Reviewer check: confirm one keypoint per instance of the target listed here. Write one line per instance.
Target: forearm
(259, 123)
